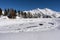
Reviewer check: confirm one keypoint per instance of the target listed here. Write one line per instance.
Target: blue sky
(30, 4)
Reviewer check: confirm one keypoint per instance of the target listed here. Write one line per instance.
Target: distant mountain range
(45, 13)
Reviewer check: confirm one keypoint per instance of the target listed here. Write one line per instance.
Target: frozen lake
(51, 35)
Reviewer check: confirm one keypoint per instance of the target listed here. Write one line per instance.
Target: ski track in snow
(28, 25)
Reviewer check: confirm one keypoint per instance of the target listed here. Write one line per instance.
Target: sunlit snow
(28, 25)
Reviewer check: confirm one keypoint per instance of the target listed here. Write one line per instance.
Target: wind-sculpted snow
(28, 25)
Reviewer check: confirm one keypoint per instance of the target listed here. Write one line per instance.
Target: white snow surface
(28, 24)
(51, 35)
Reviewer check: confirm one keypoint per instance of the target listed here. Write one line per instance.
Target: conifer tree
(0, 11)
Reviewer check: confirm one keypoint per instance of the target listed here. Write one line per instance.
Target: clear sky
(30, 4)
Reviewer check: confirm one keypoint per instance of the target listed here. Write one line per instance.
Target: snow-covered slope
(28, 25)
(45, 11)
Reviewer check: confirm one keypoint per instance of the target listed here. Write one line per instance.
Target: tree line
(12, 14)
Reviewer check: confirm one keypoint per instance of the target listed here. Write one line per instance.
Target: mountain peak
(47, 9)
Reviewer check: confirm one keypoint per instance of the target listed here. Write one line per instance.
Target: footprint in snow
(41, 24)
(50, 23)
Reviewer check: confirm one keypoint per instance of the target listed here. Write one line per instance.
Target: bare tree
(22, 14)
(12, 13)
(29, 15)
(19, 13)
(25, 15)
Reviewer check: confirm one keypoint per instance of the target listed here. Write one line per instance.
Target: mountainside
(44, 13)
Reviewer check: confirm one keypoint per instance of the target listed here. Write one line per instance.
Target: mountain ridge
(45, 11)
